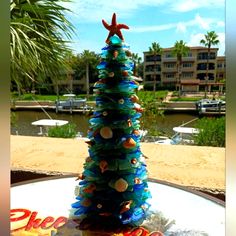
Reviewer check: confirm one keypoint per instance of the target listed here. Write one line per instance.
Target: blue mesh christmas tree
(113, 187)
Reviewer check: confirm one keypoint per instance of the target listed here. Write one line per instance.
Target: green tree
(155, 50)
(88, 59)
(210, 39)
(38, 29)
(137, 60)
(180, 50)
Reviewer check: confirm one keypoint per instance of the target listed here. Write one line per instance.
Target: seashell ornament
(134, 98)
(129, 143)
(103, 166)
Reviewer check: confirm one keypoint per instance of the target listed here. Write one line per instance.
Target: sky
(161, 21)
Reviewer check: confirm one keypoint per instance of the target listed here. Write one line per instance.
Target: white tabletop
(49, 122)
(193, 214)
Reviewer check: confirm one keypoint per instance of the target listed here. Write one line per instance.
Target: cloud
(94, 11)
(152, 28)
(189, 5)
(181, 27)
(195, 41)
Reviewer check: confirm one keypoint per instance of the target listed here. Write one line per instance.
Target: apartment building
(193, 72)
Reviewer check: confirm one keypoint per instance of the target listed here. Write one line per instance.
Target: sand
(195, 166)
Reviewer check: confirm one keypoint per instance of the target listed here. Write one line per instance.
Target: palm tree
(155, 49)
(137, 60)
(211, 38)
(180, 50)
(88, 58)
(37, 32)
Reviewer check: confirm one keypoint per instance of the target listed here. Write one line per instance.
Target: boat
(71, 104)
(211, 106)
(183, 136)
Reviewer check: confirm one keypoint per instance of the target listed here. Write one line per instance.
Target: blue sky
(162, 21)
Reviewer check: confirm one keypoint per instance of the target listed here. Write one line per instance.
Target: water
(153, 125)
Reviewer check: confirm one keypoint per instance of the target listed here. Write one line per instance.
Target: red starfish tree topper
(114, 28)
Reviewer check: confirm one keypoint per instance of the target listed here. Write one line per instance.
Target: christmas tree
(113, 187)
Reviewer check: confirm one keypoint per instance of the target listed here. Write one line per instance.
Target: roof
(191, 48)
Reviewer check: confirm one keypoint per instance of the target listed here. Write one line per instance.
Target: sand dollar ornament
(121, 101)
(105, 113)
(121, 185)
(106, 132)
(111, 74)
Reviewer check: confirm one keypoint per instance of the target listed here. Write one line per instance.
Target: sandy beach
(202, 167)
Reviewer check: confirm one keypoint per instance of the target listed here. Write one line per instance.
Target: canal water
(158, 125)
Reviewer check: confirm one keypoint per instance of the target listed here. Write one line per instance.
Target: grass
(65, 131)
(185, 99)
(152, 96)
(38, 97)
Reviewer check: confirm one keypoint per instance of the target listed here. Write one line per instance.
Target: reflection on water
(160, 124)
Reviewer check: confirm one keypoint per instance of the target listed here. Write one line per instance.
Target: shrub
(212, 132)
(64, 131)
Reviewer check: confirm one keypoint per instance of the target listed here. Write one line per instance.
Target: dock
(168, 107)
(49, 106)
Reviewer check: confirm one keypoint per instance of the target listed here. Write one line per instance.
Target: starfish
(114, 28)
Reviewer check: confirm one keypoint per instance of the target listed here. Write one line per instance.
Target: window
(170, 75)
(169, 65)
(221, 65)
(150, 68)
(187, 74)
(151, 58)
(189, 54)
(204, 55)
(168, 55)
(187, 64)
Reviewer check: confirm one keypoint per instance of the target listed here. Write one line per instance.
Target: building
(193, 73)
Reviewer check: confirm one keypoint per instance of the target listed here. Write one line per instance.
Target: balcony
(188, 69)
(169, 69)
(185, 59)
(169, 59)
(169, 80)
(190, 81)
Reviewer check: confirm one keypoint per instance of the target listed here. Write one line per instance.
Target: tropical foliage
(155, 50)
(180, 50)
(64, 131)
(212, 132)
(38, 29)
(210, 39)
(137, 61)
(87, 66)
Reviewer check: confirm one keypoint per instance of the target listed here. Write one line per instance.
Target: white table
(48, 123)
(193, 214)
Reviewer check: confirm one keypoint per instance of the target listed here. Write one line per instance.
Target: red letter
(60, 220)
(35, 223)
(13, 212)
(15, 218)
(47, 220)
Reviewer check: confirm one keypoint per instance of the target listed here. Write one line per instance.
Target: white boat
(211, 106)
(183, 135)
(71, 103)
